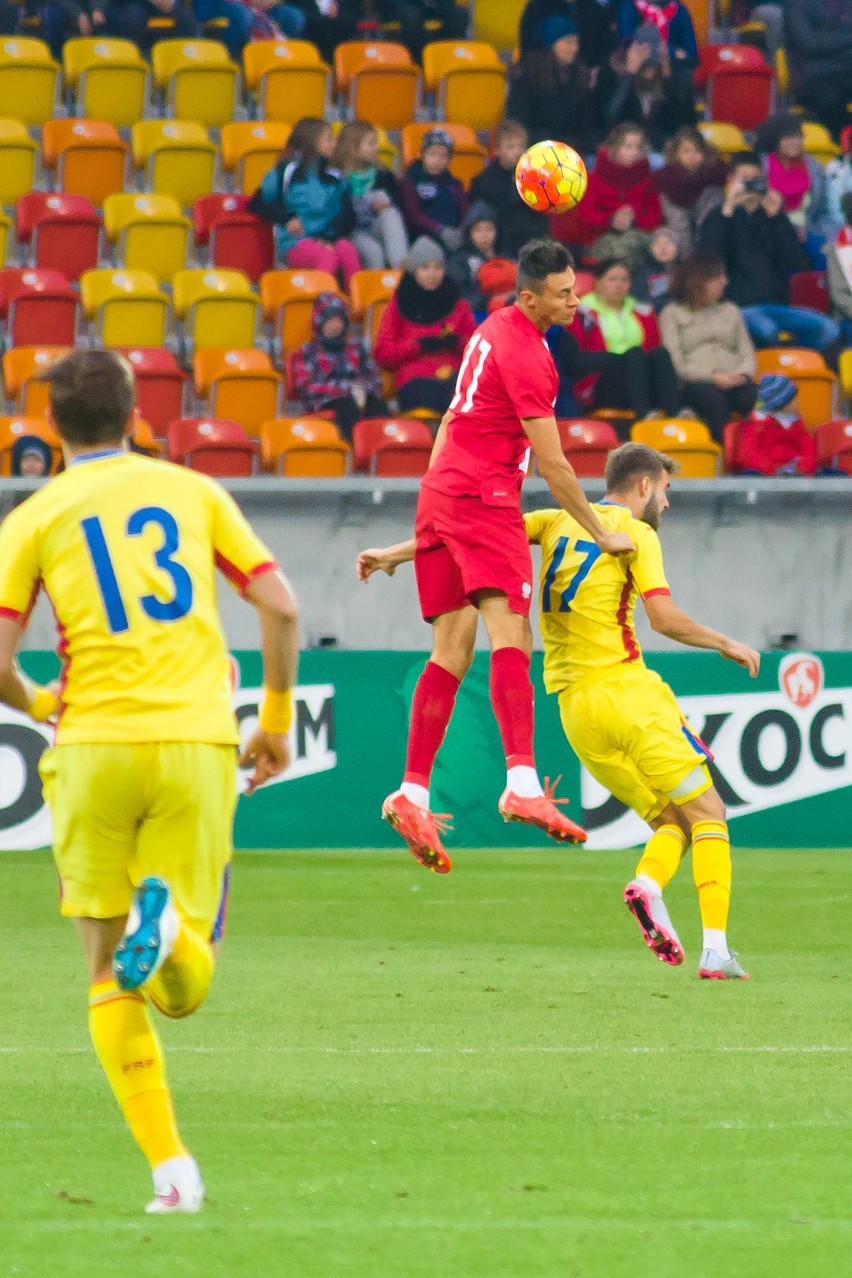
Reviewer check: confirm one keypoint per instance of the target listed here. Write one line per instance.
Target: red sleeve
(651, 329)
(417, 221)
(649, 212)
(397, 341)
(601, 201)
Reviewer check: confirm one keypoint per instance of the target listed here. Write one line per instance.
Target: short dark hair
(743, 159)
(693, 275)
(537, 260)
(92, 395)
(606, 264)
(633, 461)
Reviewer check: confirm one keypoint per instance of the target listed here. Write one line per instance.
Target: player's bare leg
(408, 808)
(524, 798)
(643, 895)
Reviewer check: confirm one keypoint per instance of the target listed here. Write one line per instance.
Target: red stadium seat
(39, 306)
(242, 242)
(587, 443)
(742, 97)
(726, 57)
(160, 383)
(207, 208)
(212, 446)
(834, 445)
(392, 446)
(63, 231)
(731, 440)
(809, 288)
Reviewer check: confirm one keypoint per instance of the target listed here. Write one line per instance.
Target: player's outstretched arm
(385, 560)
(16, 690)
(559, 476)
(669, 620)
(267, 750)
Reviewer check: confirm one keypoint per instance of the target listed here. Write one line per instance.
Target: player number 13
(157, 609)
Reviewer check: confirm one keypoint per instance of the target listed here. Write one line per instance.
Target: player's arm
(267, 750)
(16, 690)
(668, 619)
(559, 476)
(387, 559)
(19, 583)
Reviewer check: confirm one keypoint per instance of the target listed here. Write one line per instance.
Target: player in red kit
(471, 554)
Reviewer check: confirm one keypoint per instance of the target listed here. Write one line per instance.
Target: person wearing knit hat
(423, 251)
(551, 92)
(773, 441)
(433, 200)
(334, 372)
(32, 458)
(556, 28)
(774, 392)
(478, 247)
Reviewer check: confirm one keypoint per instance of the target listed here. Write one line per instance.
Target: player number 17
(589, 553)
(157, 609)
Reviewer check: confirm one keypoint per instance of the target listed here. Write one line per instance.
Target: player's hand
(370, 561)
(268, 753)
(616, 543)
(744, 656)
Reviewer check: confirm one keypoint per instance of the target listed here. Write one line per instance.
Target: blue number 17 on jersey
(157, 609)
(589, 553)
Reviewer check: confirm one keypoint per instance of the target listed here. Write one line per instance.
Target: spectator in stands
(247, 20)
(819, 50)
(551, 91)
(709, 344)
(769, 14)
(689, 183)
(773, 442)
(760, 249)
(424, 330)
(595, 24)
(621, 206)
(613, 352)
(432, 199)
(799, 179)
(640, 88)
(56, 22)
(838, 256)
(334, 371)
(379, 235)
(838, 177)
(446, 21)
(674, 23)
(478, 247)
(495, 185)
(329, 22)
(653, 277)
(32, 458)
(308, 202)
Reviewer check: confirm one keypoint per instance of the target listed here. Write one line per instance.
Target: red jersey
(507, 374)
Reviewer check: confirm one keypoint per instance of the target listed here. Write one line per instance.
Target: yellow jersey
(126, 550)
(588, 599)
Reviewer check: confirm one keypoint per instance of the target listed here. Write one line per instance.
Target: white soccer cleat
(178, 1188)
(149, 934)
(714, 968)
(649, 910)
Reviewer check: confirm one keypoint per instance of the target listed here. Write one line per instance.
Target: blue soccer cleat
(149, 934)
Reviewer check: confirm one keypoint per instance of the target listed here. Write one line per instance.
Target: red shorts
(462, 545)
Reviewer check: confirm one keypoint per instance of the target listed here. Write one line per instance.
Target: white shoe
(149, 934)
(177, 1188)
(714, 968)
(649, 911)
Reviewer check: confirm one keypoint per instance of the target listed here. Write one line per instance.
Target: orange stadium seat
(144, 439)
(288, 300)
(289, 78)
(816, 383)
(17, 161)
(21, 368)
(845, 367)
(242, 242)
(353, 56)
(248, 396)
(834, 445)
(62, 231)
(378, 82)
(472, 93)
(89, 157)
(160, 383)
(586, 444)
(304, 448)
(250, 148)
(207, 208)
(689, 442)
(392, 446)
(213, 361)
(12, 428)
(441, 56)
(39, 308)
(371, 291)
(469, 155)
(212, 446)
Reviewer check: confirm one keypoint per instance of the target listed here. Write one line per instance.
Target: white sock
(715, 939)
(523, 781)
(416, 793)
(651, 884)
(179, 1171)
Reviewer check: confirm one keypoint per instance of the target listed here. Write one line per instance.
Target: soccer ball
(551, 177)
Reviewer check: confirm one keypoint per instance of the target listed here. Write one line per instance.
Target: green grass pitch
(483, 1076)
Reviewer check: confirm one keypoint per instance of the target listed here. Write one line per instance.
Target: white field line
(573, 1049)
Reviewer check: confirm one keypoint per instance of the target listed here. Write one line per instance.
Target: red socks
(512, 700)
(431, 711)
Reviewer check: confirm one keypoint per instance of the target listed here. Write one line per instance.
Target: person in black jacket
(595, 21)
(412, 16)
(819, 47)
(761, 250)
(552, 93)
(495, 186)
(639, 88)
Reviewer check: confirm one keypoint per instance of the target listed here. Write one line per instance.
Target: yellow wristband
(276, 712)
(44, 704)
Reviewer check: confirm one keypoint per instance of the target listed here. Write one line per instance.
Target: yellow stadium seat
(248, 396)
(198, 80)
(107, 79)
(728, 139)
(213, 361)
(782, 71)
(688, 441)
(217, 308)
(816, 383)
(5, 231)
(124, 308)
(21, 368)
(819, 143)
(304, 447)
(288, 77)
(29, 80)
(472, 95)
(89, 156)
(11, 430)
(178, 158)
(250, 148)
(288, 300)
(469, 155)
(17, 161)
(441, 56)
(149, 232)
(845, 366)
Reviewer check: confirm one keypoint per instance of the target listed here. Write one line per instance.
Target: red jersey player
(471, 554)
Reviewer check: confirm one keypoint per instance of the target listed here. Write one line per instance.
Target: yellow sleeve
(20, 575)
(537, 523)
(647, 564)
(240, 554)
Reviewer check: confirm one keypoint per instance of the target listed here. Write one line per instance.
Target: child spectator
(642, 89)
(621, 206)
(551, 92)
(653, 277)
(32, 458)
(672, 20)
(800, 181)
(838, 256)
(690, 182)
(334, 371)
(516, 221)
(424, 330)
(477, 248)
(773, 442)
(379, 235)
(308, 202)
(432, 199)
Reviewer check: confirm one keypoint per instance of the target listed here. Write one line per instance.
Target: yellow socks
(663, 854)
(181, 984)
(130, 1054)
(711, 867)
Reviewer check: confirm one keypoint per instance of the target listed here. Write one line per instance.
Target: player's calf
(150, 933)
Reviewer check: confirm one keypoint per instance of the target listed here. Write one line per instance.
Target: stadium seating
(197, 79)
(21, 368)
(469, 155)
(834, 445)
(370, 292)
(144, 439)
(742, 96)
(212, 361)
(61, 231)
(160, 383)
(392, 446)
(586, 443)
(289, 79)
(212, 446)
(470, 90)
(819, 142)
(817, 384)
(177, 158)
(88, 155)
(728, 139)
(441, 56)
(377, 82)
(845, 367)
(29, 80)
(250, 396)
(713, 58)
(11, 429)
(39, 307)
(217, 308)
(17, 161)
(242, 242)
(250, 148)
(207, 208)
(288, 299)
(304, 448)
(687, 441)
(809, 288)
(124, 308)
(105, 79)
(148, 232)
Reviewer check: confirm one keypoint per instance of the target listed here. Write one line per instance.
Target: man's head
(545, 284)
(747, 180)
(639, 478)
(92, 398)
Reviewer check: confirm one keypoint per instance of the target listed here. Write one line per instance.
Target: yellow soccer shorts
(125, 811)
(627, 729)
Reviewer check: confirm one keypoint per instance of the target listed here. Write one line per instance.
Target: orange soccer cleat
(421, 830)
(543, 813)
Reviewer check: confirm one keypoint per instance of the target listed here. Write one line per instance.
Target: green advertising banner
(782, 745)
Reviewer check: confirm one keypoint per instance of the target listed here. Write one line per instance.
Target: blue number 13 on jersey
(589, 553)
(157, 609)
